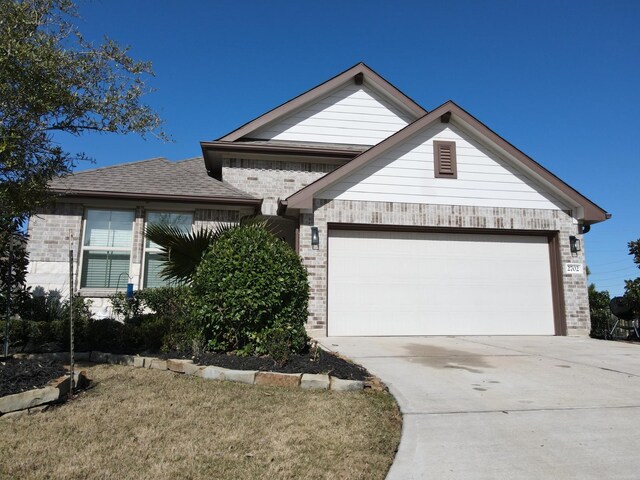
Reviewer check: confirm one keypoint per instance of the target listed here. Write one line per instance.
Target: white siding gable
(354, 114)
(405, 174)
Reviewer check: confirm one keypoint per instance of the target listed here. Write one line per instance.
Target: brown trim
(304, 198)
(553, 237)
(257, 202)
(271, 149)
(282, 208)
(557, 287)
(427, 229)
(321, 90)
(213, 153)
(448, 168)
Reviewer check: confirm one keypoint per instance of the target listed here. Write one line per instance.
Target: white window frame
(153, 250)
(84, 248)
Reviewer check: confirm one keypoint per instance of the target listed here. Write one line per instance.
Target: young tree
(634, 250)
(632, 287)
(53, 80)
(14, 260)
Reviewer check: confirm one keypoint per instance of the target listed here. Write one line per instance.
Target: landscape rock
(212, 373)
(121, 359)
(140, 362)
(38, 409)
(241, 376)
(16, 414)
(157, 364)
(29, 399)
(192, 369)
(99, 357)
(81, 380)
(313, 381)
(63, 385)
(82, 356)
(340, 385)
(36, 400)
(272, 379)
(178, 365)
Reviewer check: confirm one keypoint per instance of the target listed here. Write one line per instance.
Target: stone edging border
(37, 400)
(307, 381)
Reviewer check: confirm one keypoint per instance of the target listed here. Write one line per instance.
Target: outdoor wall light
(315, 238)
(574, 244)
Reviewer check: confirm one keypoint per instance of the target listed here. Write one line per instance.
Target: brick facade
(49, 245)
(49, 242)
(574, 289)
(271, 179)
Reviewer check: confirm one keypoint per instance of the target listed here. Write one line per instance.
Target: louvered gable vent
(445, 159)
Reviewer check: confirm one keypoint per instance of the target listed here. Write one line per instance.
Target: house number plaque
(573, 268)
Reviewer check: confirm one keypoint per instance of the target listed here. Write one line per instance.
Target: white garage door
(410, 283)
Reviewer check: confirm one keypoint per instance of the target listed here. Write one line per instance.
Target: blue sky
(560, 80)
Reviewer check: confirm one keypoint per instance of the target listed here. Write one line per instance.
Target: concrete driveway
(509, 407)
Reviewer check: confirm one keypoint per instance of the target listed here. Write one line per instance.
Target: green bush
(156, 319)
(127, 309)
(250, 294)
(43, 324)
(632, 295)
(600, 313)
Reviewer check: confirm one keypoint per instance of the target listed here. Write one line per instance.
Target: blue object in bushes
(129, 290)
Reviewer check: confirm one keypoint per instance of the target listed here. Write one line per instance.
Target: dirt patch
(20, 375)
(303, 363)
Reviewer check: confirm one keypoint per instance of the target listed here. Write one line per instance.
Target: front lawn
(139, 423)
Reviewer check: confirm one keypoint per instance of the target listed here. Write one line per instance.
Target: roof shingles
(157, 177)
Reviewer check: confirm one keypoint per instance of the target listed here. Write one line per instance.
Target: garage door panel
(411, 283)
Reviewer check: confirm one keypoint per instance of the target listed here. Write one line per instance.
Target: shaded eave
(214, 152)
(256, 203)
(323, 89)
(303, 199)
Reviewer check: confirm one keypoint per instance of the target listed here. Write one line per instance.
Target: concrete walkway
(509, 407)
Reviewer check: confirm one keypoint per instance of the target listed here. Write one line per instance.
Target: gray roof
(154, 178)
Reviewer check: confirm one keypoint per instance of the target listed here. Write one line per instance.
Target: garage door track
(509, 407)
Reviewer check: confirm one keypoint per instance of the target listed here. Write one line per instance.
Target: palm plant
(181, 252)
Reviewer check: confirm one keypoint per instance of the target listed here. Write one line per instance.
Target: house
(410, 222)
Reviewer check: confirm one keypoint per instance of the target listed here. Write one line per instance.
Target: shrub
(44, 323)
(632, 295)
(108, 336)
(127, 309)
(250, 294)
(600, 313)
(15, 241)
(156, 319)
(166, 325)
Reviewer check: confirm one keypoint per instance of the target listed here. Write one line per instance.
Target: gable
(406, 174)
(501, 152)
(354, 114)
(359, 74)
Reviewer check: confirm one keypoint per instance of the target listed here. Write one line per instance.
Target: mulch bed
(19, 375)
(304, 363)
(24, 374)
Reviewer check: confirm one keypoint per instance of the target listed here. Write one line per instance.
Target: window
(152, 262)
(445, 159)
(106, 250)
